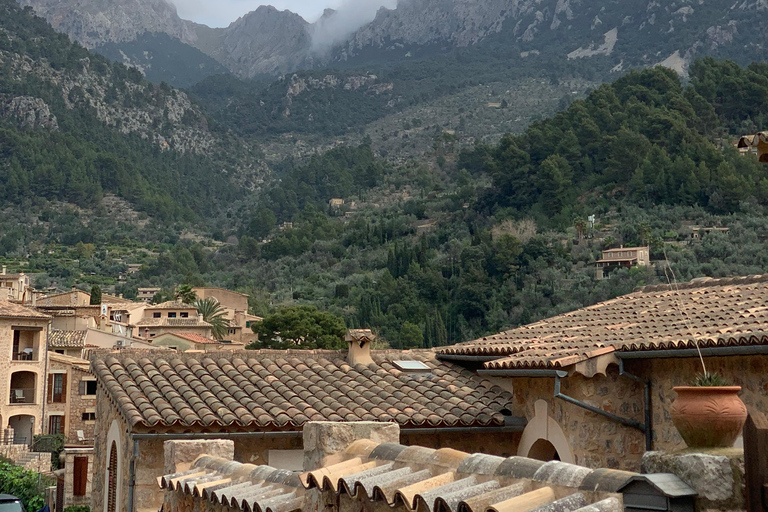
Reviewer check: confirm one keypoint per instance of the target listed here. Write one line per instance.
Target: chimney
(119, 295)
(359, 346)
(5, 268)
(74, 288)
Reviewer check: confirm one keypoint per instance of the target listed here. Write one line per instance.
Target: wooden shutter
(112, 479)
(82, 387)
(50, 388)
(64, 388)
(80, 476)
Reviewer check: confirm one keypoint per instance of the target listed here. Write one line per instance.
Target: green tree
(185, 294)
(411, 336)
(213, 313)
(95, 295)
(303, 327)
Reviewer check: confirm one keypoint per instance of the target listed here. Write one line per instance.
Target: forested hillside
(470, 242)
(73, 126)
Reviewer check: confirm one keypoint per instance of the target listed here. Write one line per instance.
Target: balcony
(22, 396)
(27, 354)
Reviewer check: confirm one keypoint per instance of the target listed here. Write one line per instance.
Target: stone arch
(543, 438)
(113, 476)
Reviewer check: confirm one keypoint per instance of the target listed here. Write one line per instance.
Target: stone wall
(749, 372)
(595, 441)
(501, 444)
(717, 475)
(69, 476)
(106, 414)
(80, 404)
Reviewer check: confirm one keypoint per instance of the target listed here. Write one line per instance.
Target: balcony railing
(26, 354)
(23, 395)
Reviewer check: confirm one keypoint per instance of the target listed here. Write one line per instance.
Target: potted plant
(709, 412)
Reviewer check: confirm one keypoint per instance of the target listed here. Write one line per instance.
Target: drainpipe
(560, 374)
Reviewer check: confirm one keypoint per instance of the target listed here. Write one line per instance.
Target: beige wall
(74, 404)
(228, 299)
(8, 367)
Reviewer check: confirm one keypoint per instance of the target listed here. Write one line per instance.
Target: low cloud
(350, 15)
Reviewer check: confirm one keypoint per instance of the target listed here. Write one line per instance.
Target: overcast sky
(220, 13)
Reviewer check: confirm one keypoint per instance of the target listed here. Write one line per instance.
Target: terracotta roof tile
(12, 310)
(67, 339)
(283, 389)
(172, 322)
(711, 312)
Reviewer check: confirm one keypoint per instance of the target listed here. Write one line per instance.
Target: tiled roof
(67, 339)
(76, 362)
(282, 390)
(195, 338)
(172, 322)
(10, 277)
(413, 477)
(12, 310)
(171, 304)
(712, 312)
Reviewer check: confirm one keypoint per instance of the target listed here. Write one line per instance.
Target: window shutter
(50, 388)
(80, 476)
(82, 385)
(64, 388)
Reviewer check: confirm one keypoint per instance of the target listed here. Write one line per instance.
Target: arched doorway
(112, 479)
(543, 439)
(23, 426)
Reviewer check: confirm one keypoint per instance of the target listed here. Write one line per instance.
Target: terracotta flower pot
(708, 417)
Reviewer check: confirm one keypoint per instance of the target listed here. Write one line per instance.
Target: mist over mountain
(271, 42)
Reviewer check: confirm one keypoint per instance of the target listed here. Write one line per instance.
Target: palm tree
(212, 312)
(185, 294)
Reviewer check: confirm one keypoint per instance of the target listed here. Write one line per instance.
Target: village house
(23, 334)
(78, 343)
(14, 287)
(171, 316)
(595, 385)
(756, 143)
(184, 342)
(70, 399)
(235, 307)
(147, 294)
(622, 257)
(262, 399)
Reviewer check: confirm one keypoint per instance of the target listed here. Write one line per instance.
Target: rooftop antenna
(675, 287)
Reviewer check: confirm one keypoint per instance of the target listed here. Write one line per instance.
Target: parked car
(10, 503)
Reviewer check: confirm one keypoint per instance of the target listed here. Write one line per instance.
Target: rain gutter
(742, 350)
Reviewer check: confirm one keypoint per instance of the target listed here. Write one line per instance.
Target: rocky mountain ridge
(271, 42)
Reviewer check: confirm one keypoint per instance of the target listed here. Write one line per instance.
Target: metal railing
(22, 396)
(25, 355)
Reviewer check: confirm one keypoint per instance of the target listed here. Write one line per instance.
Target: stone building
(14, 287)
(622, 257)
(171, 317)
(262, 399)
(70, 399)
(595, 385)
(235, 307)
(23, 333)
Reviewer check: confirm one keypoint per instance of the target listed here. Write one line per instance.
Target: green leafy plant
(26, 485)
(710, 380)
(78, 508)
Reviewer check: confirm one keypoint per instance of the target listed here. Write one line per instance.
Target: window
(88, 387)
(89, 416)
(80, 477)
(184, 315)
(56, 425)
(171, 315)
(57, 388)
(155, 315)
